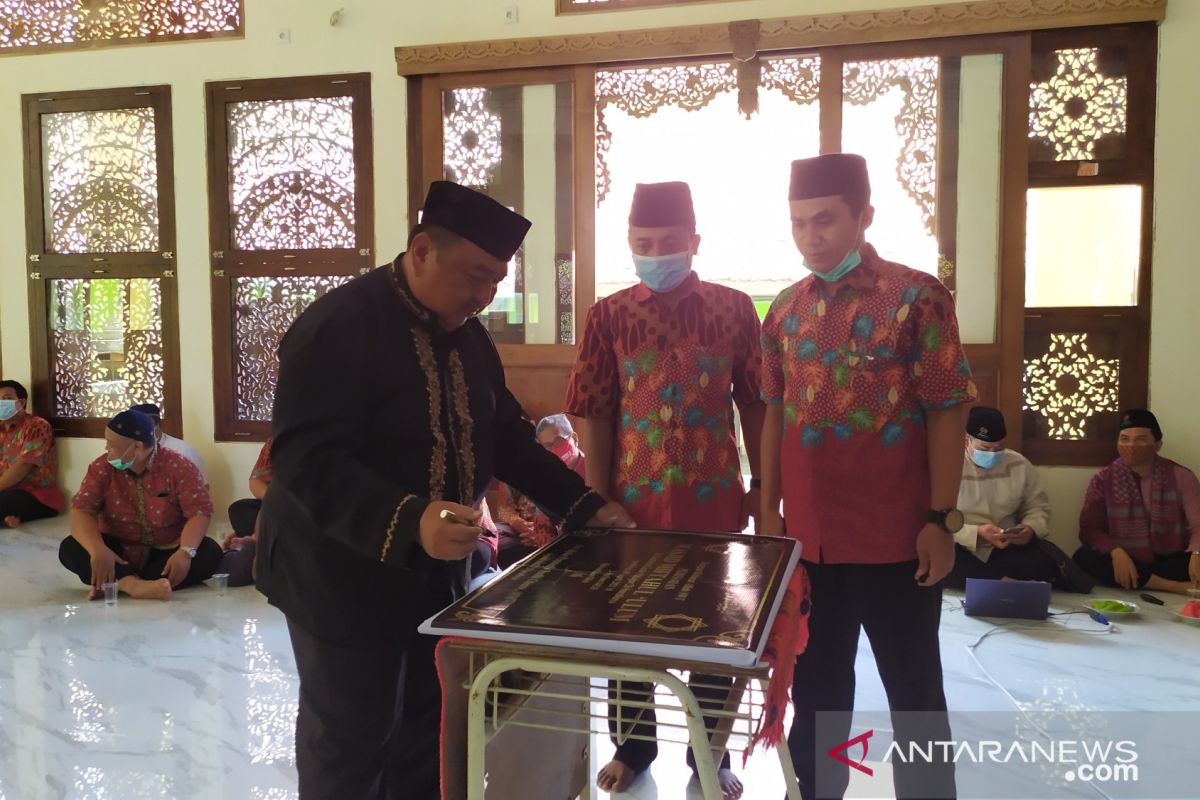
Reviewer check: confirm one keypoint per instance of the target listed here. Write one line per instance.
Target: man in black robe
(392, 408)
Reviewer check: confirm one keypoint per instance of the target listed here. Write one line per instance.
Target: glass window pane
(515, 144)
(975, 248)
(264, 309)
(106, 345)
(291, 173)
(1082, 246)
(100, 179)
(889, 116)
(683, 122)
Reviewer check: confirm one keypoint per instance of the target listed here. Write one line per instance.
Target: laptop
(1011, 599)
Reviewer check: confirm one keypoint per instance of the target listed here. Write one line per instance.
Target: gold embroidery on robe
(404, 294)
(391, 531)
(433, 383)
(465, 430)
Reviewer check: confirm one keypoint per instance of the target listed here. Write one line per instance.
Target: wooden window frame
(528, 362)
(229, 263)
(425, 166)
(44, 266)
(943, 30)
(1131, 324)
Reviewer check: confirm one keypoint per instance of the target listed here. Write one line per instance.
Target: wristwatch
(950, 519)
(191, 551)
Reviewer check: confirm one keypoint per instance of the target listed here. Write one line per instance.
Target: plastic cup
(110, 593)
(220, 582)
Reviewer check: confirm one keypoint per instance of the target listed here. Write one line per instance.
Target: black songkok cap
(835, 173)
(475, 217)
(1141, 418)
(662, 205)
(149, 409)
(986, 424)
(133, 425)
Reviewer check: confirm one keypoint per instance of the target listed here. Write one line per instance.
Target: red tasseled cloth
(788, 639)
(438, 660)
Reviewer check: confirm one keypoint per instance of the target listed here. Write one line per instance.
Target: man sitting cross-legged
(140, 517)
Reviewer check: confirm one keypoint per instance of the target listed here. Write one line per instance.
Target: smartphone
(457, 519)
(1012, 531)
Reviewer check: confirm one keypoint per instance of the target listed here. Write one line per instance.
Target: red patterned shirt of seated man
(140, 517)
(517, 515)
(28, 462)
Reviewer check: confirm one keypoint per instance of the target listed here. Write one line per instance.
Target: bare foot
(12, 521)
(615, 776)
(731, 787)
(159, 589)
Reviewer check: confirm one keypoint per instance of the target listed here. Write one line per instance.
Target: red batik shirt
(147, 510)
(30, 440)
(856, 364)
(665, 367)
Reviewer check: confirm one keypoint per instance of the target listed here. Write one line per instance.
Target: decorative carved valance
(720, 39)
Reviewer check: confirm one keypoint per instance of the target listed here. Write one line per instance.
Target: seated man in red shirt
(241, 545)
(140, 517)
(28, 464)
(521, 525)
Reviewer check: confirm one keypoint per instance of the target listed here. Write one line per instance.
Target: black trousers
(1172, 567)
(239, 564)
(243, 514)
(369, 721)
(1024, 562)
(901, 620)
(24, 506)
(638, 754)
(208, 554)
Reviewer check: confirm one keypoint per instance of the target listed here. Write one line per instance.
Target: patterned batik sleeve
(90, 497)
(747, 386)
(772, 378)
(192, 489)
(37, 443)
(939, 367)
(594, 385)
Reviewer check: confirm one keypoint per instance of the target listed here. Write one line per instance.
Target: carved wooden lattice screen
(291, 217)
(72, 24)
(100, 233)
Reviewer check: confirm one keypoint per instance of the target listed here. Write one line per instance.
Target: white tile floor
(196, 698)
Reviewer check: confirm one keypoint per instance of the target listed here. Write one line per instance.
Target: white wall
(364, 41)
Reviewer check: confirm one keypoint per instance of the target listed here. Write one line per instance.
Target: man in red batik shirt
(140, 517)
(657, 370)
(865, 383)
(28, 464)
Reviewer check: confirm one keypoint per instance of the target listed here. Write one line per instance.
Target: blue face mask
(121, 463)
(663, 273)
(986, 459)
(8, 409)
(852, 260)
